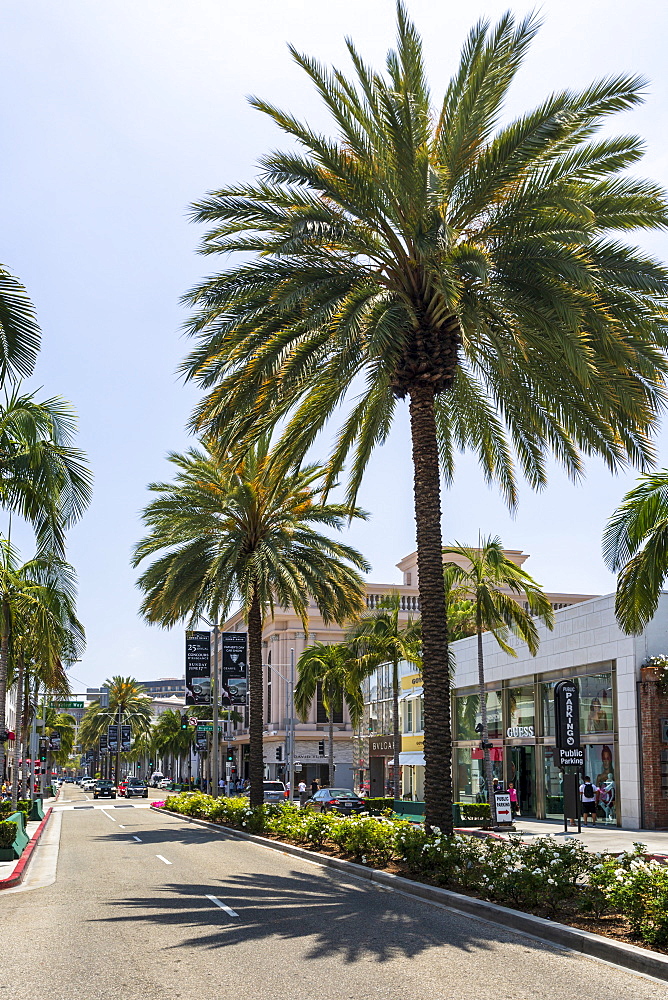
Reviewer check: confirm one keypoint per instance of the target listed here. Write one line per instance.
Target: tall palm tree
(37, 610)
(170, 738)
(127, 704)
(380, 637)
(635, 545)
(488, 576)
(428, 253)
(334, 670)
(242, 530)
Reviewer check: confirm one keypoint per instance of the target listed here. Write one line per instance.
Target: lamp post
(214, 697)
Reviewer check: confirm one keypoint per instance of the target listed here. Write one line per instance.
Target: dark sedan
(135, 786)
(341, 800)
(104, 790)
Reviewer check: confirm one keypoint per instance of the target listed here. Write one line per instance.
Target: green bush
(7, 834)
(475, 811)
(377, 805)
(638, 888)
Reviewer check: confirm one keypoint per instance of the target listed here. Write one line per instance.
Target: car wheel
(113, 796)
(95, 796)
(145, 795)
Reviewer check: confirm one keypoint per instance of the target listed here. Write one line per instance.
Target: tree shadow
(356, 922)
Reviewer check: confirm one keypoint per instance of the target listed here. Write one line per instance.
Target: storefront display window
(468, 716)
(554, 798)
(599, 765)
(596, 715)
(520, 710)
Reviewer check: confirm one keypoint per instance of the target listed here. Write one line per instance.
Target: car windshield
(342, 793)
(273, 786)
(104, 784)
(135, 781)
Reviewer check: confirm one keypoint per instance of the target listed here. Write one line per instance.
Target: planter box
(21, 839)
(6, 853)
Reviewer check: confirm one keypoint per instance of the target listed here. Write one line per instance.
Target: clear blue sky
(115, 117)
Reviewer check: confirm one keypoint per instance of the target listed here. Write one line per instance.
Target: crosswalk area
(103, 805)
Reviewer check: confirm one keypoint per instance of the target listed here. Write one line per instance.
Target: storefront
(381, 766)
(520, 716)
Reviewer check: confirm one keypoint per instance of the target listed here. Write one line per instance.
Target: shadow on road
(354, 922)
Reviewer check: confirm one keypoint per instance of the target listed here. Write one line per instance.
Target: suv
(273, 791)
(135, 786)
(88, 784)
(104, 789)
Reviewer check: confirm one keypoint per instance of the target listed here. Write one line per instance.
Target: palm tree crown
(428, 252)
(242, 530)
(635, 545)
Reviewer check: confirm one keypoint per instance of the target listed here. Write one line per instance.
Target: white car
(165, 783)
(88, 784)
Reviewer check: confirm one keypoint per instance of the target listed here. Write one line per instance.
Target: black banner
(103, 743)
(126, 739)
(234, 672)
(55, 745)
(198, 668)
(567, 715)
(201, 741)
(112, 738)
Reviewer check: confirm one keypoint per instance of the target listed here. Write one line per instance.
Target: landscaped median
(624, 897)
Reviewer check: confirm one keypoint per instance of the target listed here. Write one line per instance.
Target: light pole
(214, 698)
(289, 718)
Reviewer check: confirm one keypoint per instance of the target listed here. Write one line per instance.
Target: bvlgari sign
(381, 746)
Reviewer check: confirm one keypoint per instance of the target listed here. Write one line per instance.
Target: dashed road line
(108, 815)
(223, 906)
(163, 859)
(138, 839)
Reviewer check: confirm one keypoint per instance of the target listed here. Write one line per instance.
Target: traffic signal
(321, 748)
(230, 754)
(279, 753)
(184, 722)
(138, 765)
(150, 763)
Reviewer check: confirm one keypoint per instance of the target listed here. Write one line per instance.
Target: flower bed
(625, 896)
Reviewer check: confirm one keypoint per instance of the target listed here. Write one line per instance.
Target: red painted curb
(17, 876)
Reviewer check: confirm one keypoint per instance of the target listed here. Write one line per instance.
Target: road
(146, 907)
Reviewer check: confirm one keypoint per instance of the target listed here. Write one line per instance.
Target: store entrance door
(522, 772)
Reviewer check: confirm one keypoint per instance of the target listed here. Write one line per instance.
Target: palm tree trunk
(18, 733)
(256, 768)
(435, 672)
(4, 660)
(330, 749)
(395, 728)
(487, 760)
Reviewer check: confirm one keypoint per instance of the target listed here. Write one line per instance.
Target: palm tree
(242, 530)
(428, 253)
(20, 334)
(488, 576)
(170, 738)
(126, 704)
(379, 637)
(635, 545)
(37, 607)
(334, 671)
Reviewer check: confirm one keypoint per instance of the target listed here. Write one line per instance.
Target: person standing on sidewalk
(588, 797)
(303, 794)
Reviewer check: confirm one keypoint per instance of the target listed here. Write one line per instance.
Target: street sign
(207, 727)
(193, 720)
(567, 715)
(572, 758)
(69, 704)
(502, 807)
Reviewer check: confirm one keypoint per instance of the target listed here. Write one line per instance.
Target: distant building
(165, 687)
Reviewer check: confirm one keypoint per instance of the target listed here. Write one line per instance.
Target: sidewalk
(8, 868)
(595, 838)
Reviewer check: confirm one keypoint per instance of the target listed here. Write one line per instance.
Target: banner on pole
(55, 745)
(112, 739)
(126, 738)
(198, 668)
(567, 715)
(234, 668)
(103, 743)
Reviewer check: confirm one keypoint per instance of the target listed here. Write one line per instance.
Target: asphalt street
(146, 907)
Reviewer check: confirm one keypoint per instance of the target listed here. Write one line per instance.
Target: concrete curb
(22, 864)
(592, 945)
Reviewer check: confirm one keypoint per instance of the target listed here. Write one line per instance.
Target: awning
(411, 694)
(411, 758)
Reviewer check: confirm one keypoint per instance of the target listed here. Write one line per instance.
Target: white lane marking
(108, 815)
(139, 841)
(214, 899)
(121, 826)
(163, 859)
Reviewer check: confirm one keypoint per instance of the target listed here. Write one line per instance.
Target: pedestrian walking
(514, 801)
(589, 800)
(314, 787)
(303, 794)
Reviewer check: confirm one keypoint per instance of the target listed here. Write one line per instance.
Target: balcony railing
(406, 602)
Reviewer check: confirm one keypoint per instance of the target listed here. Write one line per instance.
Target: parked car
(274, 791)
(165, 783)
(104, 789)
(342, 800)
(121, 786)
(156, 778)
(88, 784)
(135, 787)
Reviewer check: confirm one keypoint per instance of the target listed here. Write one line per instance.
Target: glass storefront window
(521, 707)
(596, 714)
(468, 716)
(599, 765)
(554, 797)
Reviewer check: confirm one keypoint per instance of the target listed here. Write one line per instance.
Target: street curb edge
(629, 956)
(22, 864)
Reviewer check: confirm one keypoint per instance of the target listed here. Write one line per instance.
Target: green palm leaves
(635, 545)
(243, 530)
(19, 332)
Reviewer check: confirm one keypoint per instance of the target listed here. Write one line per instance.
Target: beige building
(283, 640)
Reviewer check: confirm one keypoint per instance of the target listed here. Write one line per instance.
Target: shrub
(638, 888)
(475, 811)
(7, 834)
(367, 839)
(377, 806)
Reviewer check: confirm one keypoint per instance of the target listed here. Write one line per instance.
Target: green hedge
(475, 810)
(376, 805)
(7, 834)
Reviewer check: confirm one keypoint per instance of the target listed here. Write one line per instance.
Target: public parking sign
(503, 809)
